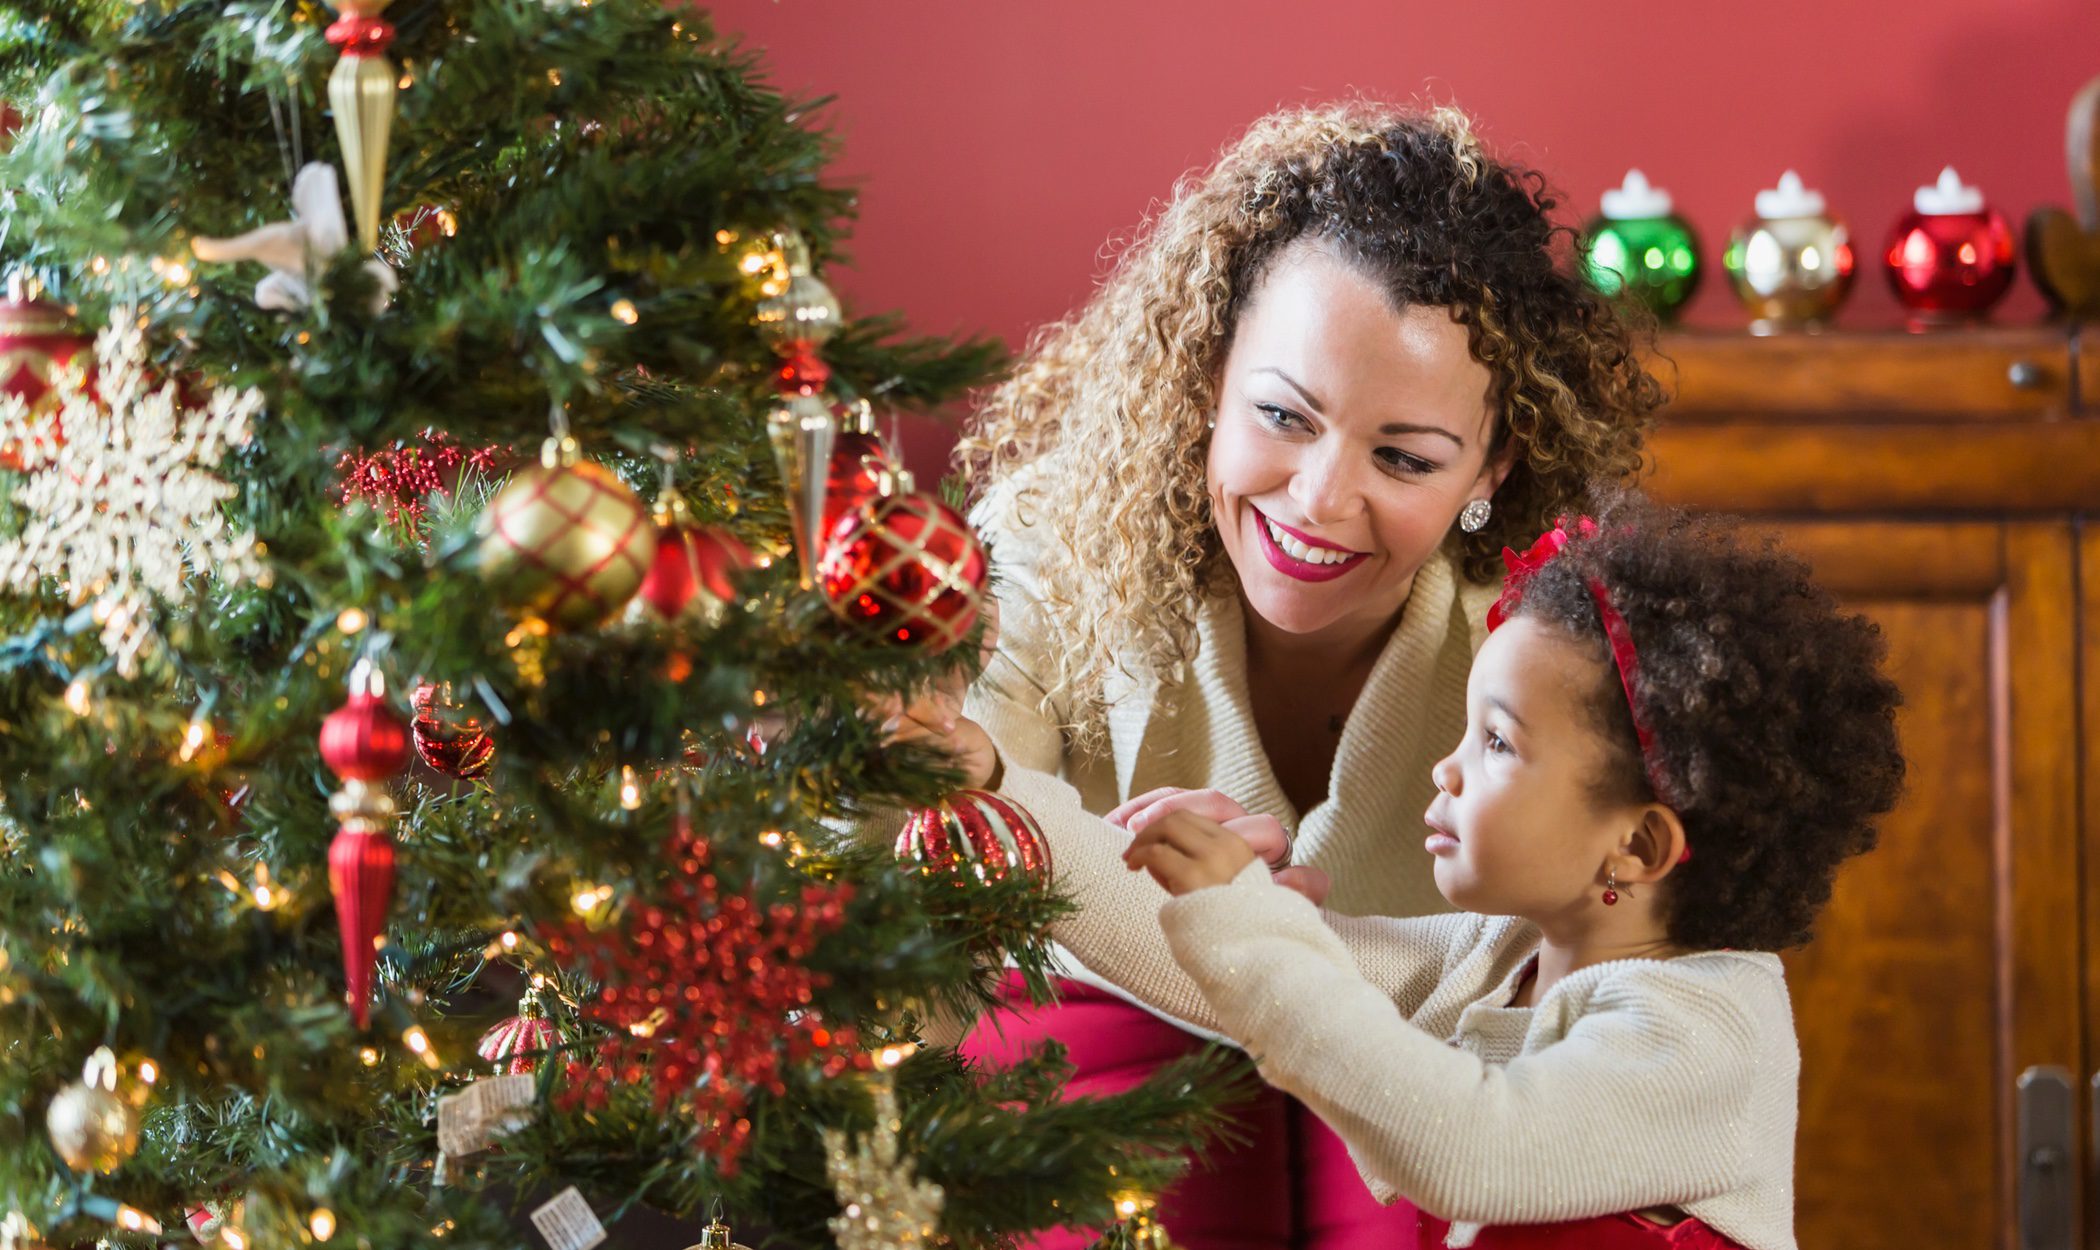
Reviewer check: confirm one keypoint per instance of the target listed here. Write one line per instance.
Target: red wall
(1001, 145)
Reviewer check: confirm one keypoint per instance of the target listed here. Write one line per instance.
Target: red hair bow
(1521, 567)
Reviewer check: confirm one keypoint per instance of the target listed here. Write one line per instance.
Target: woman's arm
(1646, 1101)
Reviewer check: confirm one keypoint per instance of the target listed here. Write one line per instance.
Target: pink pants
(1292, 1186)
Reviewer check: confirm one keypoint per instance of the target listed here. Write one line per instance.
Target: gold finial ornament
(361, 91)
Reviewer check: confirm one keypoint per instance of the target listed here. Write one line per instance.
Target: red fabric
(1605, 1232)
(1292, 1186)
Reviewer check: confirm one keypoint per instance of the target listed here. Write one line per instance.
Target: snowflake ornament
(118, 497)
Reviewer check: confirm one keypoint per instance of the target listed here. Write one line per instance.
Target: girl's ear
(1657, 843)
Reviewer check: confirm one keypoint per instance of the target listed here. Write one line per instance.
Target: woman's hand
(1264, 835)
(933, 716)
(1185, 852)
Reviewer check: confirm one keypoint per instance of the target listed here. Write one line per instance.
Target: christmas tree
(404, 822)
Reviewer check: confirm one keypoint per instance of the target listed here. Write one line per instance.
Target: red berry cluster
(397, 479)
(706, 996)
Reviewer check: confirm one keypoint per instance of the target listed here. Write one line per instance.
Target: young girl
(1673, 739)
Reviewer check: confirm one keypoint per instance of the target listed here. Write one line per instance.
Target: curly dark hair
(1101, 425)
(1774, 728)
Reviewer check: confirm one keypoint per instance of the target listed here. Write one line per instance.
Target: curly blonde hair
(1116, 396)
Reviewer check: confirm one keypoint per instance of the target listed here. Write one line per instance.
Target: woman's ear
(1496, 469)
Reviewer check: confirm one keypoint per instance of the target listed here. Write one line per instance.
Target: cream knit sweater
(1631, 1085)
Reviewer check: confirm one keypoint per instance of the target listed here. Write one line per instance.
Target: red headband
(1616, 632)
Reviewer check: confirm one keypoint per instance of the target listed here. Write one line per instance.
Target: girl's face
(1348, 436)
(1516, 827)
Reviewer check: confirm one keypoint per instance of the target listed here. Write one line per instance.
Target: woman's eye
(1279, 417)
(1402, 462)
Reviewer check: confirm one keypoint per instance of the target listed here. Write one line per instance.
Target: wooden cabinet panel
(1948, 959)
(2004, 372)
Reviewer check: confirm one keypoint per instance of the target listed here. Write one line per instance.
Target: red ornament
(398, 479)
(802, 371)
(908, 568)
(975, 834)
(706, 996)
(364, 742)
(1951, 258)
(37, 341)
(859, 459)
(454, 744)
(361, 873)
(694, 568)
(511, 1044)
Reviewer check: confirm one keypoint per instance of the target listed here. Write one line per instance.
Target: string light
(369, 1056)
(351, 620)
(131, 1219)
(630, 788)
(79, 697)
(234, 1238)
(624, 311)
(322, 1223)
(193, 738)
(418, 1043)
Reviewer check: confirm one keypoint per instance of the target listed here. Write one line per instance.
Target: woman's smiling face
(1348, 436)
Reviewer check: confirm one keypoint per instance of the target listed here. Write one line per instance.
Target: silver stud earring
(1473, 518)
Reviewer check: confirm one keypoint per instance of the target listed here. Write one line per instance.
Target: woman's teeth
(1299, 551)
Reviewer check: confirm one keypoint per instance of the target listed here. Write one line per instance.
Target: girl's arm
(1646, 1100)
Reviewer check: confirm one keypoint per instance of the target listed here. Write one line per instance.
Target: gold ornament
(93, 1129)
(361, 92)
(717, 1235)
(882, 1203)
(799, 308)
(566, 543)
(802, 429)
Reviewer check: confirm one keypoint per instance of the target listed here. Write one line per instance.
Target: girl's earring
(1473, 518)
(1611, 887)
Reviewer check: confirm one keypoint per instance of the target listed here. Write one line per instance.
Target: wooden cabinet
(1941, 484)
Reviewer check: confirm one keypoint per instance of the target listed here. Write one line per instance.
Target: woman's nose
(1324, 488)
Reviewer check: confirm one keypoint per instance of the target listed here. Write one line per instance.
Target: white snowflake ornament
(296, 250)
(118, 498)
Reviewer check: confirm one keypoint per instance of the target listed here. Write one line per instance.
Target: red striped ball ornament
(975, 834)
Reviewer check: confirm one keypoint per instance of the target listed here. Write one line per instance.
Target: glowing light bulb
(624, 311)
(351, 620)
(321, 1223)
(79, 697)
(418, 1043)
(630, 788)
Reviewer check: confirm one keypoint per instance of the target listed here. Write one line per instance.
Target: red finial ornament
(364, 742)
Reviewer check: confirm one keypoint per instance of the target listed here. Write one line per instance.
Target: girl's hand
(1264, 835)
(1186, 852)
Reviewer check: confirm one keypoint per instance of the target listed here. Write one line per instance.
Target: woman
(1246, 509)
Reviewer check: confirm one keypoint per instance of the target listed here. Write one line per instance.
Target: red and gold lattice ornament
(975, 835)
(566, 542)
(908, 568)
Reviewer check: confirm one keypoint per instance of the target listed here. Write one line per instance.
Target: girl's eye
(1278, 417)
(1496, 743)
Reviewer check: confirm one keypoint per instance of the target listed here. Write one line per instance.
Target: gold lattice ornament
(566, 542)
(883, 1205)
